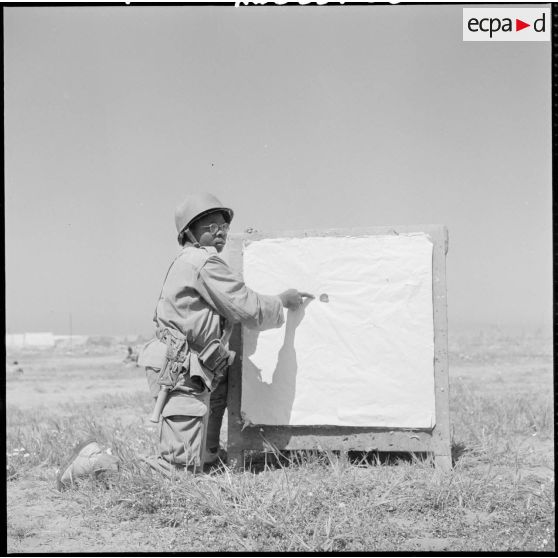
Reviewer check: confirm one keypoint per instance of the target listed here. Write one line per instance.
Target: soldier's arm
(227, 293)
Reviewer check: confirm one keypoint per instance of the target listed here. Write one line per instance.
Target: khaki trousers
(183, 425)
(181, 440)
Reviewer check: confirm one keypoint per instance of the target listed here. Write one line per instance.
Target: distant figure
(132, 356)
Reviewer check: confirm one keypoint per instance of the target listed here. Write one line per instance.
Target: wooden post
(441, 433)
(235, 451)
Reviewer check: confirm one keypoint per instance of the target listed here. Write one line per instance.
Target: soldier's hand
(293, 299)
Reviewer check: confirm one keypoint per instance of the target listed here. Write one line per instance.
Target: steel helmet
(198, 205)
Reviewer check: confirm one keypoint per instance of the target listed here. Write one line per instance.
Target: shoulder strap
(163, 285)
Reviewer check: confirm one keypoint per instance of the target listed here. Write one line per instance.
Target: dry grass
(498, 497)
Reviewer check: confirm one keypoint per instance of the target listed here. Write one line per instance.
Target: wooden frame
(268, 438)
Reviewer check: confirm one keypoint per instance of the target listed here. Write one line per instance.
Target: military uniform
(201, 296)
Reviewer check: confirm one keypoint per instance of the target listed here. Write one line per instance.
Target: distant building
(15, 340)
(20, 340)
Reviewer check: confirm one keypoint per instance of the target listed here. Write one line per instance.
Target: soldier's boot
(86, 459)
(212, 456)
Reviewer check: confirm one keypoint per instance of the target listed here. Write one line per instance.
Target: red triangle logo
(519, 25)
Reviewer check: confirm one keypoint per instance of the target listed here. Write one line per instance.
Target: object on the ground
(87, 459)
(324, 297)
(14, 369)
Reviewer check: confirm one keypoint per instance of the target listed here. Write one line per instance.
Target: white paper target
(361, 356)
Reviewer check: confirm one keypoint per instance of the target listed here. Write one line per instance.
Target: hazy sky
(297, 117)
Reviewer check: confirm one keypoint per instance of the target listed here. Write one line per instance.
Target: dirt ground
(50, 378)
(41, 519)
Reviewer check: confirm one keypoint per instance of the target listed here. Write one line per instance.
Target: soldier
(200, 300)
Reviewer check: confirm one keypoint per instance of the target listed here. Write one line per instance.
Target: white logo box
(492, 24)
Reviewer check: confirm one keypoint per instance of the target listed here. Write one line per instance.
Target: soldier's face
(201, 231)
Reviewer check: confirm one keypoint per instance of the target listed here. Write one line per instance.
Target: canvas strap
(163, 285)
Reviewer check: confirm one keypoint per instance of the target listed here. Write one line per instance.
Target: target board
(363, 365)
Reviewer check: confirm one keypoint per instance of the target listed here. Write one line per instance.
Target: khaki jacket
(199, 291)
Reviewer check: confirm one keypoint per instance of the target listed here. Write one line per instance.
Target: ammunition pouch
(214, 356)
(200, 373)
(175, 358)
(201, 365)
